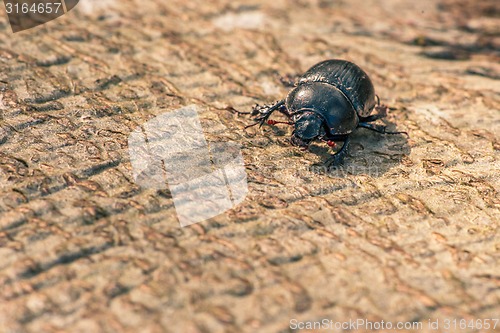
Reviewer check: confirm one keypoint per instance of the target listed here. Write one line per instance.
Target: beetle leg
(339, 156)
(284, 111)
(265, 112)
(379, 129)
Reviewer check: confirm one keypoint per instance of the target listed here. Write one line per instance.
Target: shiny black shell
(351, 80)
(327, 101)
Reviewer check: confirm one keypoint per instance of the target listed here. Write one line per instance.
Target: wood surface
(406, 230)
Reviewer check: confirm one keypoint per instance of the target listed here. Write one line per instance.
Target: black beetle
(330, 100)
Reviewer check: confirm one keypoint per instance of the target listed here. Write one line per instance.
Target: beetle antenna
(270, 122)
(274, 122)
(378, 100)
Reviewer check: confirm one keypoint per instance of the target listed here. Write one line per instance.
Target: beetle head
(308, 126)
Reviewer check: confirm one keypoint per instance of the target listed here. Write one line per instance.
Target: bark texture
(407, 230)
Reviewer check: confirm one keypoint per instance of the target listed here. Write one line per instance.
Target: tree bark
(405, 230)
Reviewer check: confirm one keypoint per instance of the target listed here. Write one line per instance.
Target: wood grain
(407, 230)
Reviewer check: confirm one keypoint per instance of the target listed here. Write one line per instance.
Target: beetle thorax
(326, 101)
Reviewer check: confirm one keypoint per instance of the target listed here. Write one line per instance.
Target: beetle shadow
(369, 153)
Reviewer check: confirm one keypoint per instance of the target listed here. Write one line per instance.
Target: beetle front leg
(338, 157)
(264, 112)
